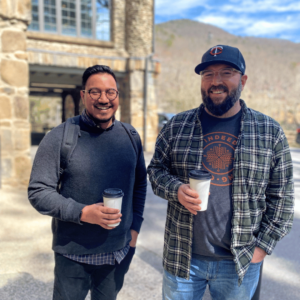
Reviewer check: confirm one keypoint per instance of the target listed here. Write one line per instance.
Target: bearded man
(250, 207)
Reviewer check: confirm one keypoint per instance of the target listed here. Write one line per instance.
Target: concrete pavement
(26, 258)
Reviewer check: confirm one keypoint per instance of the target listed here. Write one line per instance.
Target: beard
(228, 103)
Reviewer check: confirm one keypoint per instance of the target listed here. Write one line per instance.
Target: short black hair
(95, 70)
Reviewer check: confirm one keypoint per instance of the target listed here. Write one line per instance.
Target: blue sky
(260, 18)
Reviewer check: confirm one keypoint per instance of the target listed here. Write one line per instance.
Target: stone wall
(139, 27)
(139, 35)
(135, 113)
(297, 92)
(14, 113)
(152, 107)
(132, 29)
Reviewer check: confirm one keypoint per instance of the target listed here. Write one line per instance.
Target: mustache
(218, 87)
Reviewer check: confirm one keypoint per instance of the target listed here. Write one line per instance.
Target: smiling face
(220, 96)
(101, 110)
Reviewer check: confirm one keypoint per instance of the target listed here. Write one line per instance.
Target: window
(68, 9)
(86, 18)
(49, 15)
(34, 15)
(102, 20)
(78, 18)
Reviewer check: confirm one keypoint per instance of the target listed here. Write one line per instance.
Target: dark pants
(73, 280)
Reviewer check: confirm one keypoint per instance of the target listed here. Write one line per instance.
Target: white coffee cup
(200, 182)
(113, 198)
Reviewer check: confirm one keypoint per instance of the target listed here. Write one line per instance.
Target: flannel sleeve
(164, 184)
(278, 218)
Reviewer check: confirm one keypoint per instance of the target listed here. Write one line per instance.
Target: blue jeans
(221, 278)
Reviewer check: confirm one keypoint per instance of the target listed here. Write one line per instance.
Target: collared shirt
(89, 121)
(262, 186)
(101, 258)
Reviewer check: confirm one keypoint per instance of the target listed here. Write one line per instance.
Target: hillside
(272, 66)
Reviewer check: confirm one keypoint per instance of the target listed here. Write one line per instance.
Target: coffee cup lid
(113, 193)
(200, 174)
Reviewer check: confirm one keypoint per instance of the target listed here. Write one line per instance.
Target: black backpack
(70, 137)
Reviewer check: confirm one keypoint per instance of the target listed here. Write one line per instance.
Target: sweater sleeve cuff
(137, 223)
(265, 242)
(73, 212)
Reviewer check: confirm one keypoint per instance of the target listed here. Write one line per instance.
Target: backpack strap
(70, 136)
(134, 137)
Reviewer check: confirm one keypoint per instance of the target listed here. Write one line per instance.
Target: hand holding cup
(100, 215)
(112, 198)
(200, 183)
(188, 198)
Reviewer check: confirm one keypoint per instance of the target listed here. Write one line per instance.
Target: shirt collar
(90, 122)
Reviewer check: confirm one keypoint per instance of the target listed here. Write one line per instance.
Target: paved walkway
(26, 258)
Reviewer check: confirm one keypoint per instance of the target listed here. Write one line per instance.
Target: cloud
(244, 25)
(290, 37)
(265, 28)
(227, 23)
(176, 7)
(251, 6)
(269, 18)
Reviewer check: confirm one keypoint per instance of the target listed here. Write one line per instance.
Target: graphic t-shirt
(212, 228)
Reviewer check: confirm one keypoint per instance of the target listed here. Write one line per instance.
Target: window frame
(58, 33)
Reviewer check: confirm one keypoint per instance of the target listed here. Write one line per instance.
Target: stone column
(297, 92)
(136, 94)
(139, 32)
(152, 116)
(139, 27)
(14, 103)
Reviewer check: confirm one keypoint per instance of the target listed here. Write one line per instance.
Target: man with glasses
(250, 207)
(90, 254)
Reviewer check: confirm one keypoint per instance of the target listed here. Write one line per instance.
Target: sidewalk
(26, 258)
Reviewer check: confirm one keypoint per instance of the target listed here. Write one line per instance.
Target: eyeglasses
(225, 74)
(95, 94)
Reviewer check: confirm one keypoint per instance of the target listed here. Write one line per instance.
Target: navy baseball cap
(222, 54)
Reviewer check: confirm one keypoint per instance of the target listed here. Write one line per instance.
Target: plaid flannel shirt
(262, 187)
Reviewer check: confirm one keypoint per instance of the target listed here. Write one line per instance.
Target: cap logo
(216, 50)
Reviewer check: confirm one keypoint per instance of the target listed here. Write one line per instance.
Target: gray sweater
(101, 159)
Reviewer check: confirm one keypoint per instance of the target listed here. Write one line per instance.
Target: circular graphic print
(218, 156)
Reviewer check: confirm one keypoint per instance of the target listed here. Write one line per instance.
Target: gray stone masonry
(14, 116)
(131, 43)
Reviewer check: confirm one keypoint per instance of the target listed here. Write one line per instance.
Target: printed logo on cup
(218, 157)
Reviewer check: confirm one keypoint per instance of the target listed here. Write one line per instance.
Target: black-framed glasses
(95, 94)
(225, 74)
